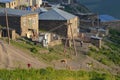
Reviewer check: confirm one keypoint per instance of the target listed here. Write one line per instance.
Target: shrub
(34, 50)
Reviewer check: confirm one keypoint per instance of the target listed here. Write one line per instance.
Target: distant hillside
(110, 7)
(73, 8)
(76, 8)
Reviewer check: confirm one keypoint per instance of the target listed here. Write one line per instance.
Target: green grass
(109, 55)
(50, 54)
(52, 74)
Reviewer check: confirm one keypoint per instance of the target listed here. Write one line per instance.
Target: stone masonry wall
(13, 21)
(29, 22)
(49, 25)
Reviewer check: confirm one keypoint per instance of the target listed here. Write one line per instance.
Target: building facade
(8, 3)
(37, 2)
(62, 22)
(25, 23)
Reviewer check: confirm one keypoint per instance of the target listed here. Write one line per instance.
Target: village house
(62, 22)
(8, 3)
(30, 2)
(67, 1)
(16, 3)
(25, 23)
(25, 2)
(38, 2)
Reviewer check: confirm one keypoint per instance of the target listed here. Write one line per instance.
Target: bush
(104, 61)
(34, 50)
(93, 49)
(51, 49)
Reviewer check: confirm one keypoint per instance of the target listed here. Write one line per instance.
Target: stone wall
(50, 24)
(96, 42)
(55, 42)
(29, 22)
(12, 33)
(21, 24)
(13, 21)
(64, 30)
(11, 4)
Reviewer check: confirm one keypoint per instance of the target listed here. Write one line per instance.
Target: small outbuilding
(95, 40)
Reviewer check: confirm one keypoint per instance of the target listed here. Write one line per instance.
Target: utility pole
(8, 33)
(73, 40)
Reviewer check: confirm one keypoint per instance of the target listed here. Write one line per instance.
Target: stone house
(30, 2)
(63, 22)
(38, 2)
(24, 22)
(8, 3)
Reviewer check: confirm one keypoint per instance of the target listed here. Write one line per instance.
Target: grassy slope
(48, 55)
(52, 74)
(109, 54)
(106, 55)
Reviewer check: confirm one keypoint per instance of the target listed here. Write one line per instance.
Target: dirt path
(82, 61)
(11, 57)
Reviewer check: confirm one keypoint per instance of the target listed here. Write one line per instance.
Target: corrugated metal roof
(5, 1)
(96, 37)
(56, 14)
(40, 10)
(15, 12)
(107, 18)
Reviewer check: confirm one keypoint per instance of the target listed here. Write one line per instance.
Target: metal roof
(40, 10)
(5, 1)
(107, 18)
(15, 12)
(56, 14)
(96, 37)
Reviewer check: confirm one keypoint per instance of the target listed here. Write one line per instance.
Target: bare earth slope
(11, 57)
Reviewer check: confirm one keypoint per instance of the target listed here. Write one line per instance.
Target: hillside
(12, 57)
(109, 7)
(72, 8)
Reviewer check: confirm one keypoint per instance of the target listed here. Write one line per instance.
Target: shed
(95, 40)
